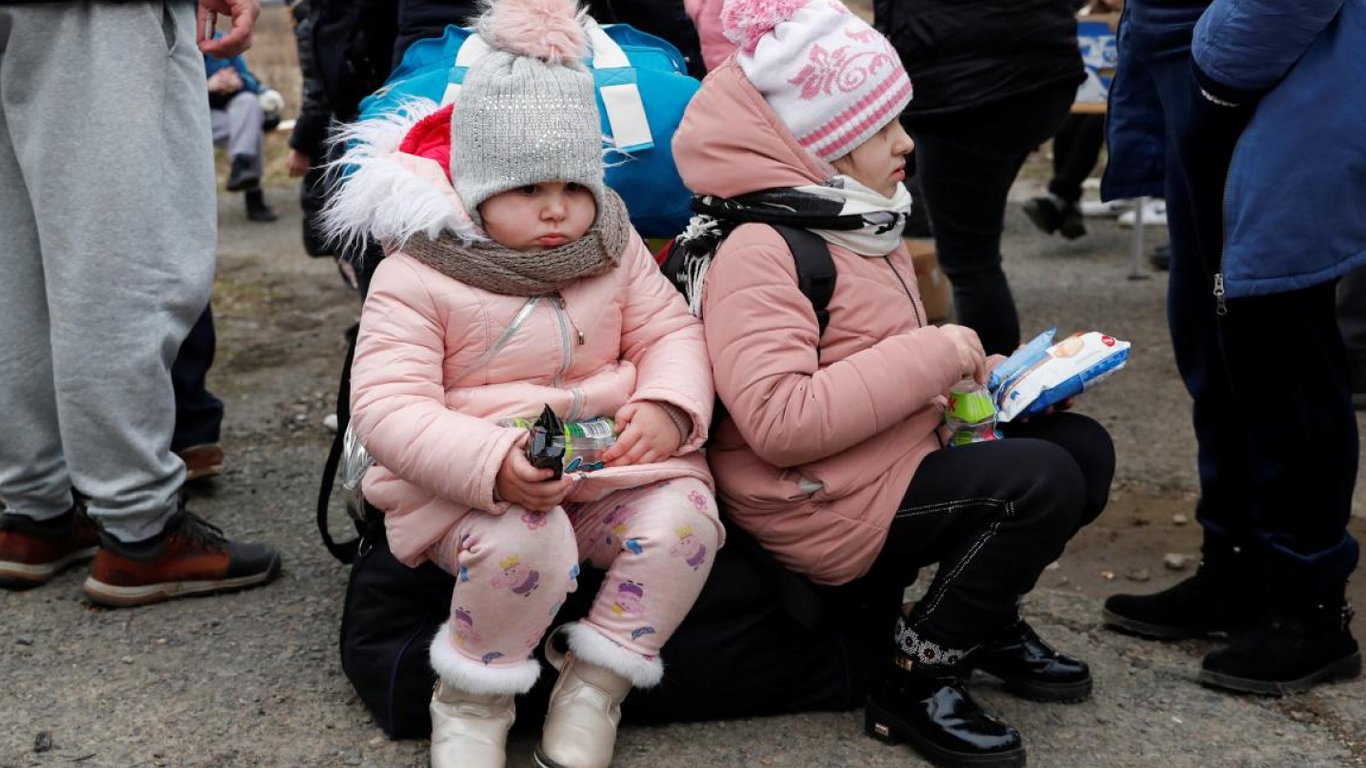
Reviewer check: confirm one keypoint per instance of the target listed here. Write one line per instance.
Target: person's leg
(244, 140)
(199, 414)
(1089, 445)
(993, 515)
(128, 258)
(1352, 321)
(657, 544)
(1076, 149)
(1217, 598)
(41, 533)
(128, 248)
(966, 165)
(512, 572)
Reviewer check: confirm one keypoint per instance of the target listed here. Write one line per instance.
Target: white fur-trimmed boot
(585, 705)
(472, 708)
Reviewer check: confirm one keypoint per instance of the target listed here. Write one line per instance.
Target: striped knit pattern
(834, 80)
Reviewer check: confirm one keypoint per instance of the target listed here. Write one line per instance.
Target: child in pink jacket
(514, 280)
(832, 452)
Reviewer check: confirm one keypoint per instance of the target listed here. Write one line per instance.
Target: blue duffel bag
(643, 87)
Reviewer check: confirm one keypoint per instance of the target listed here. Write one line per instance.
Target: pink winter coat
(820, 444)
(438, 363)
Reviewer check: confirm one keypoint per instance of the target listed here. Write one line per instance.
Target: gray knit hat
(527, 111)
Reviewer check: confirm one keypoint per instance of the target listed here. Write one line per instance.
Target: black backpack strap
(815, 269)
(344, 551)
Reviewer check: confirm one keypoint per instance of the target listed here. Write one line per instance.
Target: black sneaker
(242, 174)
(1206, 603)
(1287, 653)
(1044, 212)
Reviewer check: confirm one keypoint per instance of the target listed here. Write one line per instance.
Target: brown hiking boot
(32, 552)
(202, 461)
(190, 557)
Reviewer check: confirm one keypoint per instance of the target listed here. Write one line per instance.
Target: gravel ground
(253, 679)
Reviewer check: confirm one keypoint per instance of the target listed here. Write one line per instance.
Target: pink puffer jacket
(822, 437)
(438, 363)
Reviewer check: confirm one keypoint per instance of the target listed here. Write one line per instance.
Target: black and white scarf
(842, 211)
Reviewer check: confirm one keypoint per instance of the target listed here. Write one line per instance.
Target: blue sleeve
(249, 81)
(1242, 48)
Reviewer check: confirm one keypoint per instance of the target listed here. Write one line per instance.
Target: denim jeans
(198, 413)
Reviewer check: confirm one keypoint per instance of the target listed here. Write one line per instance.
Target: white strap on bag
(626, 120)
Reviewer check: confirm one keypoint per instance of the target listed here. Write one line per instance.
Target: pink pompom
(743, 22)
(550, 30)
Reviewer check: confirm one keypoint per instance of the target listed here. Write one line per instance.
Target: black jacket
(963, 54)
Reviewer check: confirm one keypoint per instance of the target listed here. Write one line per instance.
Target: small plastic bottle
(584, 441)
(971, 414)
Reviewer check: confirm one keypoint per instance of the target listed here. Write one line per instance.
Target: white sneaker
(1096, 209)
(1154, 215)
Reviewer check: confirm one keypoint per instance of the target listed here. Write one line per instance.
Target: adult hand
(532, 487)
(238, 39)
(647, 435)
(972, 361)
(297, 163)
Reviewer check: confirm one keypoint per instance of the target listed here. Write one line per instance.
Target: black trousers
(198, 413)
(966, 163)
(1076, 148)
(993, 515)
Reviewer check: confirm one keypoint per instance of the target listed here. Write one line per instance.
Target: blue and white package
(1072, 365)
(1025, 356)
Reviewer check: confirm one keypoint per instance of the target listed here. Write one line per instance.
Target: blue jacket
(1295, 201)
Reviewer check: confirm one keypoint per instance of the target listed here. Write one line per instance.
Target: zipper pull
(1220, 308)
(580, 337)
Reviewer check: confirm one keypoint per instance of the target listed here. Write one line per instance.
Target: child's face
(539, 216)
(880, 162)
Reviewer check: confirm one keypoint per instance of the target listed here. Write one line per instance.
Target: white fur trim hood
(387, 195)
(476, 677)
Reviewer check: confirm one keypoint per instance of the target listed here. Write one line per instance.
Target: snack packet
(1065, 369)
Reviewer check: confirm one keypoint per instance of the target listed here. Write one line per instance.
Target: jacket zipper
(1221, 308)
(907, 289)
(517, 322)
(558, 305)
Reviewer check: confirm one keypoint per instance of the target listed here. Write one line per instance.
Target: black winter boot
(1289, 651)
(1224, 596)
(1031, 669)
(257, 210)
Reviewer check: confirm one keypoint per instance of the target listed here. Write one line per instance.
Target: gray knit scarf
(502, 270)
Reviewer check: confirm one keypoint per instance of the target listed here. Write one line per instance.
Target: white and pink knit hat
(834, 80)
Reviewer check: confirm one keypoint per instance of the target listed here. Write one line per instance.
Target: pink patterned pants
(513, 570)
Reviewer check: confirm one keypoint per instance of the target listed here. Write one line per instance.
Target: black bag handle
(344, 551)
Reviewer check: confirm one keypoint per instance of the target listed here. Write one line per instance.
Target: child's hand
(972, 361)
(647, 435)
(520, 483)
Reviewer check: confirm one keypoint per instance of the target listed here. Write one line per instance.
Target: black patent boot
(922, 701)
(1031, 669)
(1223, 597)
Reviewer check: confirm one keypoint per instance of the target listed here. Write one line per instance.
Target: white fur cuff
(473, 676)
(596, 649)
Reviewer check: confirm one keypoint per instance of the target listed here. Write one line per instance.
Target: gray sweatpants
(238, 126)
(107, 239)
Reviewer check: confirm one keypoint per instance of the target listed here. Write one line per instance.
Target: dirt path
(253, 679)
